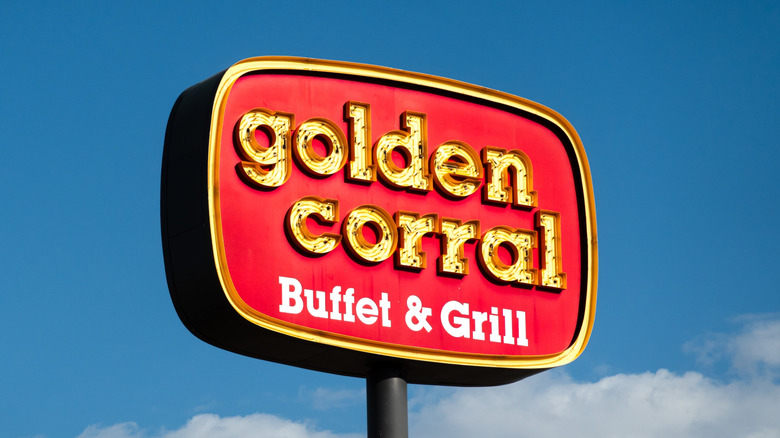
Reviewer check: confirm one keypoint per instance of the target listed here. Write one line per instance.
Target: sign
(339, 216)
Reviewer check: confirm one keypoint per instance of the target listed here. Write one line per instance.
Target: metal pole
(386, 400)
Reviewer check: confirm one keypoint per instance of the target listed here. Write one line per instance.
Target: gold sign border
(420, 80)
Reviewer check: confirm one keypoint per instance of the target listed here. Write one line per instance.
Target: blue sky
(677, 106)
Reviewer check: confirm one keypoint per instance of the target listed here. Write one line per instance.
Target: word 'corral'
(454, 167)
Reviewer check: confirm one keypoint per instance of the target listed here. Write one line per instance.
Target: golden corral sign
(339, 216)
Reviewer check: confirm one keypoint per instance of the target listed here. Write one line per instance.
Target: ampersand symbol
(417, 313)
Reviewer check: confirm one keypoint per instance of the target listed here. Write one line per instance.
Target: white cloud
(325, 399)
(659, 404)
(122, 430)
(754, 352)
(552, 404)
(757, 349)
(214, 426)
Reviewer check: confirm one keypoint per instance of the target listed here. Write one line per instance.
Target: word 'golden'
(454, 167)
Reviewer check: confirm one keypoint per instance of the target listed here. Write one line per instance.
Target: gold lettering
(324, 211)
(519, 243)
(334, 141)
(503, 187)
(548, 224)
(456, 169)
(361, 167)
(411, 229)
(453, 238)
(505, 254)
(266, 167)
(412, 144)
(383, 227)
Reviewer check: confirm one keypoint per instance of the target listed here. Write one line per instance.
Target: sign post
(387, 404)
(378, 223)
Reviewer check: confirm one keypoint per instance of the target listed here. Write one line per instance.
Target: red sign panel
(400, 215)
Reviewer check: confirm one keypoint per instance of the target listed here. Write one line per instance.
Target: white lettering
(508, 339)
(384, 304)
(417, 315)
(522, 340)
(319, 311)
(335, 299)
(349, 300)
(499, 325)
(366, 311)
(456, 322)
(294, 298)
(291, 291)
(494, 336)
(479, 318)
(461, 328)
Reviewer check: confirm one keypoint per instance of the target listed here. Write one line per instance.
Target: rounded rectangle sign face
(399, 215)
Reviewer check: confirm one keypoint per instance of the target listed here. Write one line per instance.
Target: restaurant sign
(340, 216)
